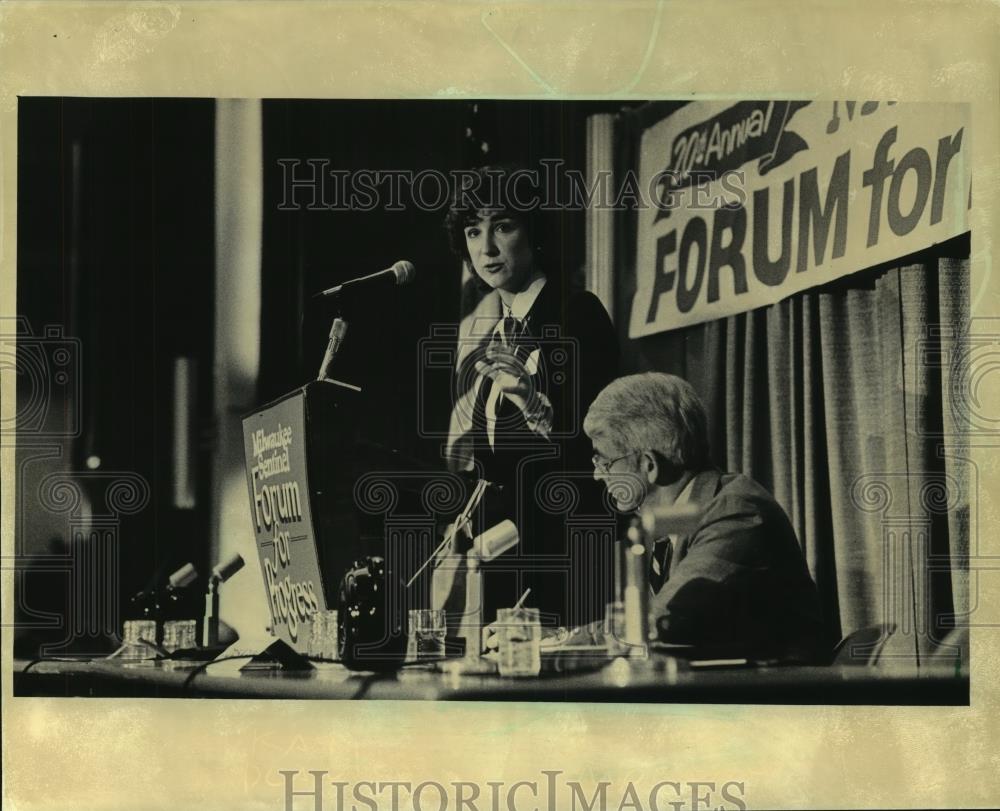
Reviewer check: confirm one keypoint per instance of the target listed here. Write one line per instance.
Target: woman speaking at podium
(532, 355)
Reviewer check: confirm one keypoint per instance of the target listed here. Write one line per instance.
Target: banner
(752, 202)
(279, 503)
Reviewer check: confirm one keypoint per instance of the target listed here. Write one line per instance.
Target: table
(659, 678)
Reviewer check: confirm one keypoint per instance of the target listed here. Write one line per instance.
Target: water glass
(328, 646)
(426, 634)
(133, 633)
(519, 639)
(180, 635)
(317, 634)
(136, 630)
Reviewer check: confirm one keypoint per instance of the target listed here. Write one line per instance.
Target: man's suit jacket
(740, 578)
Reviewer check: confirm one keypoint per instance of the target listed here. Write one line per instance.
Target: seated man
(738, 581)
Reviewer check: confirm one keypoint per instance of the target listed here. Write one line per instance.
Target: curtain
(837, 400)
(238, 340)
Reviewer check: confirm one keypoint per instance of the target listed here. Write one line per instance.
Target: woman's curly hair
(513, 190)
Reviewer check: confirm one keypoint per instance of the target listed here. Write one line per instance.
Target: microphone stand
(335, 341)
(338, 331)
(210, 627)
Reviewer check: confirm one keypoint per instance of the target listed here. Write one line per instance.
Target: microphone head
(496, 540)
(678, 519)
(228, 568)
(403, 271)
(184, 576)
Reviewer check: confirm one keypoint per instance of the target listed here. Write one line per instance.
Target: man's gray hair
(652, 411)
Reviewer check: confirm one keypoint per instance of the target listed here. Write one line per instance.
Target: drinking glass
(519, 639)
(134, 631)
(317, 634)
(180, 635)
(426, 634)
(329, 644)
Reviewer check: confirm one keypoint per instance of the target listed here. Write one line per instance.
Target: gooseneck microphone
(402, 272)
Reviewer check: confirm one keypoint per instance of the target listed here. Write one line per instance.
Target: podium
(305, 463)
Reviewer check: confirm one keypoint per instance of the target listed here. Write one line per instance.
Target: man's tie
(659, 564)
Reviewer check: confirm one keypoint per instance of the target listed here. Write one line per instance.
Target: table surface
(657, 678)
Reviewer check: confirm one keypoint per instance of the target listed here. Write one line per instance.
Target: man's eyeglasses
(605, 466)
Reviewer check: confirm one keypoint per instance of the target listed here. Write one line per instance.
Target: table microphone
(400, 273)
(495, 541)
(147, 600)
(677, 519)
(220, 574)
(487, 546)
(223, 571)
(636, 591)
(182, 578)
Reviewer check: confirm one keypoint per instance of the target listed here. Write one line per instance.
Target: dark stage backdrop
(116, 240)
(116, 258)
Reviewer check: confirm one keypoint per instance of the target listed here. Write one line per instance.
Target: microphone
(220, 574)
(227, 568)
(491, 544)
(183, 577)
(677, 519)
(496, 540)
(400, 273)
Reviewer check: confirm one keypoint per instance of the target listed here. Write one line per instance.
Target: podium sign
(275, 446)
